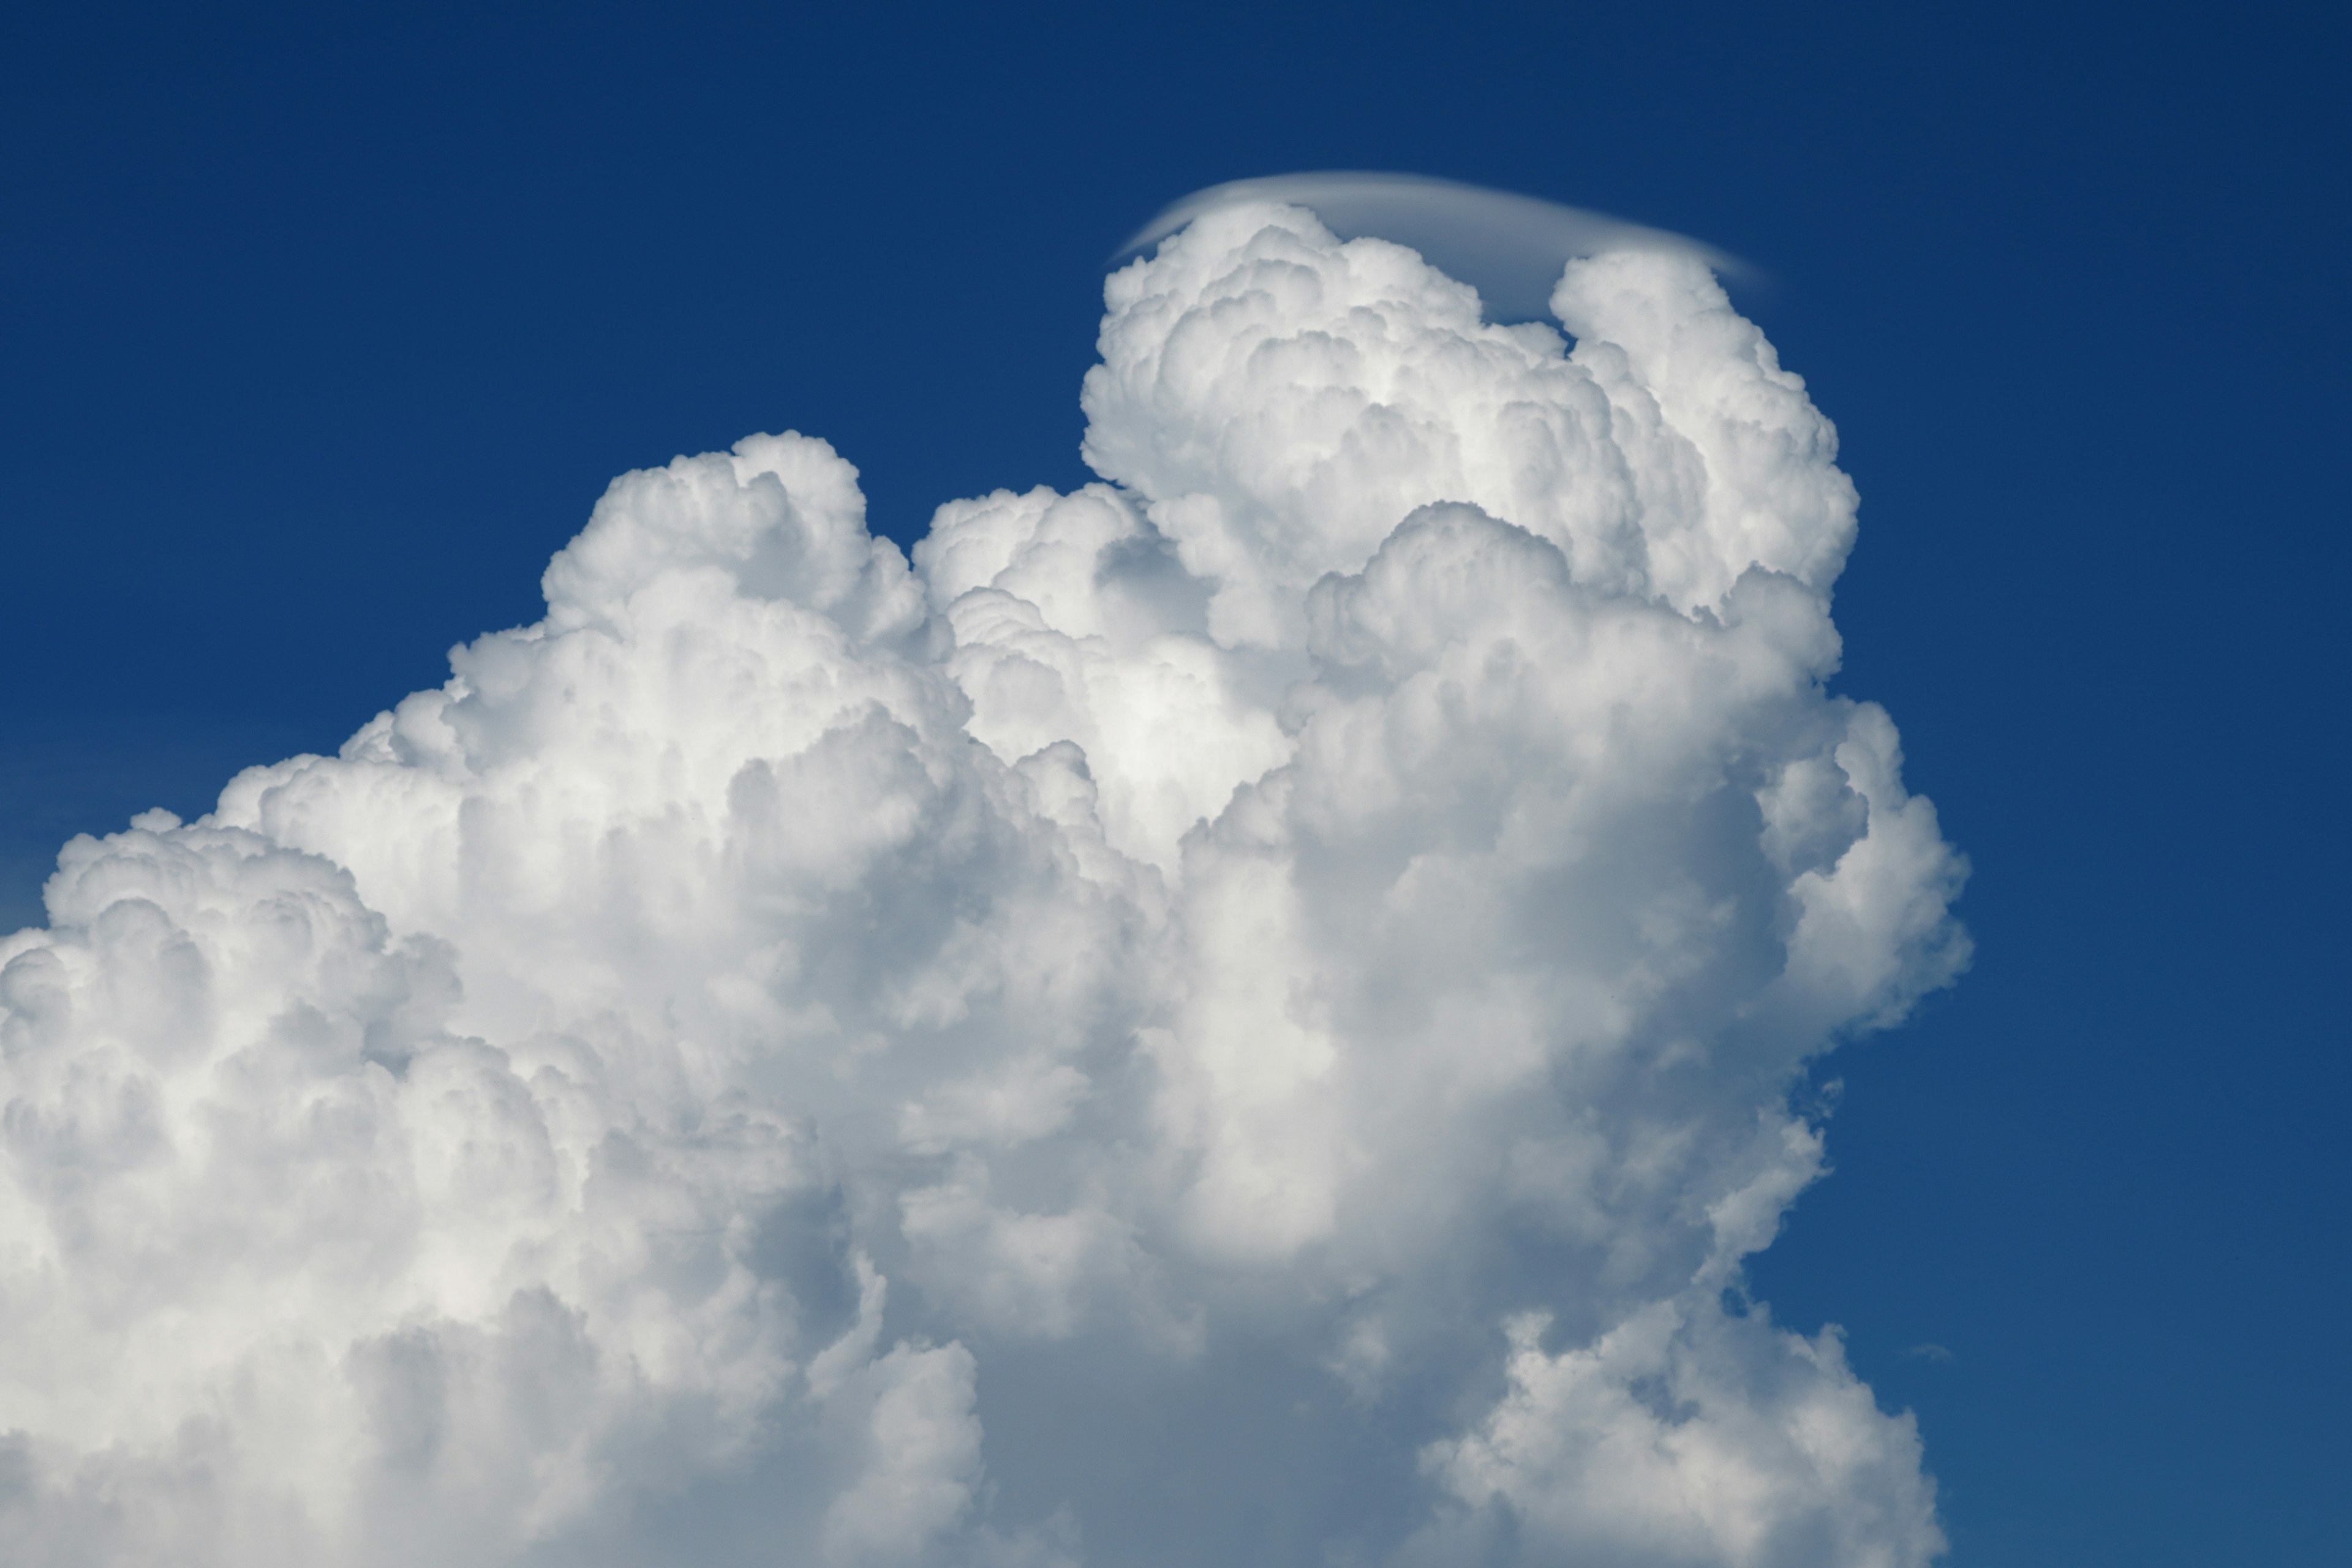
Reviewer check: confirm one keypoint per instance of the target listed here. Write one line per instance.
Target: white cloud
(1510, 246)
(1685, 1436)
(1243, 1014)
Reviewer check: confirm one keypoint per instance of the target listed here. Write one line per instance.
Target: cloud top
(1244, 1013)
(1510, 246)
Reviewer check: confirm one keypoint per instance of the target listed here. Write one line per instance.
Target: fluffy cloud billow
(1244, 1013)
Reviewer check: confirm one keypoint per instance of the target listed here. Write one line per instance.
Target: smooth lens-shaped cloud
(1240, 1014)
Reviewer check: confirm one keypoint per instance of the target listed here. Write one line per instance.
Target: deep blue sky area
(321, 328)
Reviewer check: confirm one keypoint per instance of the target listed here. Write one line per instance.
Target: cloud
(1243, 1014)
(1510, 246)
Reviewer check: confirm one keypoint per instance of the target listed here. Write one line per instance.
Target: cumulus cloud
(1510, 246)
(1243, 1014)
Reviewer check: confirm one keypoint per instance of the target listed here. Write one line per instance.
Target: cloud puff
(1242, 1013)
(1509, 245)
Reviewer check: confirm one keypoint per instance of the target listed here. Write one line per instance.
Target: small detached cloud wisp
(1243, 1014)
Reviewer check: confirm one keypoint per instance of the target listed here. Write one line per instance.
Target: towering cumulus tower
(1245, 1014)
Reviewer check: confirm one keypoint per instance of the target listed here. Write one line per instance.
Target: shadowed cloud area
(1243, 1014)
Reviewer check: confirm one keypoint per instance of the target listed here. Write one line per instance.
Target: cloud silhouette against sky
(1243, 1014)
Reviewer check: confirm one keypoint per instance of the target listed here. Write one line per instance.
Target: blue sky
(324, 332)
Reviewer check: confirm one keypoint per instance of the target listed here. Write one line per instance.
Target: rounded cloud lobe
(1243, 1014)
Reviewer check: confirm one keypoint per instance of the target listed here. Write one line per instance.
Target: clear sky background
(322, 331)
